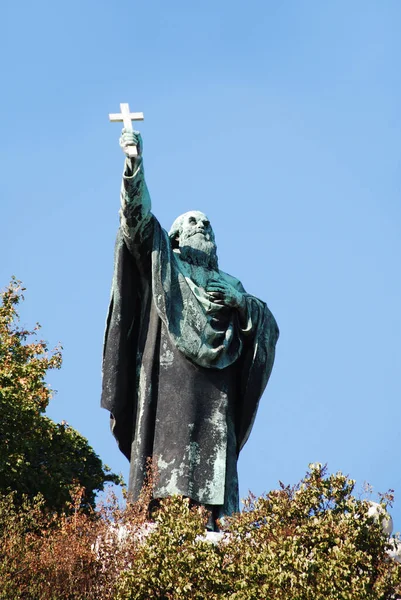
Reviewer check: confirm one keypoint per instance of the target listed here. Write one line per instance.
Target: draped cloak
(182, 376)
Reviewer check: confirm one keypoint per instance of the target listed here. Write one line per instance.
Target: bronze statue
(188, 352)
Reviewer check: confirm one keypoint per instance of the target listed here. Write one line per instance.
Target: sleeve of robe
(136, 220)
(130, 285)
(256, 362)
(259, 333)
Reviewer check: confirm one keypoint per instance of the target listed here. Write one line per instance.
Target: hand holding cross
(127, 117)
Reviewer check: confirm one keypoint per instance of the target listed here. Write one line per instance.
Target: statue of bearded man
(187, 354)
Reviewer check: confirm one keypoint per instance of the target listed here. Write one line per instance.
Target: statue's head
(192, 235)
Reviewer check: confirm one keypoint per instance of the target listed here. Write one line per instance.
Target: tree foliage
(313, 541)
(36, 454)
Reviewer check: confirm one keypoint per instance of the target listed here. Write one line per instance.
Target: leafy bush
(313, 541)
(75, 555)
(174, 561)
(43, 556)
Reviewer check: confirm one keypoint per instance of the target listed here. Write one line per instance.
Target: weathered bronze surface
(187, 351)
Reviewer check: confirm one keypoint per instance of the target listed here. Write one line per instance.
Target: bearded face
(194, 236)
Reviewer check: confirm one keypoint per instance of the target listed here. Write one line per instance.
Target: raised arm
(135, 215)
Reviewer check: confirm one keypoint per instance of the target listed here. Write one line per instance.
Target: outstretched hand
(221, 292)
(128, 138)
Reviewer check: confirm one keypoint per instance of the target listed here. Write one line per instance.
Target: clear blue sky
(281, 121)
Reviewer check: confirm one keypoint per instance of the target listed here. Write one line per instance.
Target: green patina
(200, 351)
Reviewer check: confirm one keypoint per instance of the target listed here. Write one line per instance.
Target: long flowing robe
(182, 376)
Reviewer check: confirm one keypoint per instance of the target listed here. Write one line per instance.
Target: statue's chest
(202, 330)
(200, 275)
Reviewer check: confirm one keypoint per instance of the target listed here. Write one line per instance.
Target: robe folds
(182, 376)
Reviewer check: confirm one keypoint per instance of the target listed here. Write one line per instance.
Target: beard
(199, 251)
